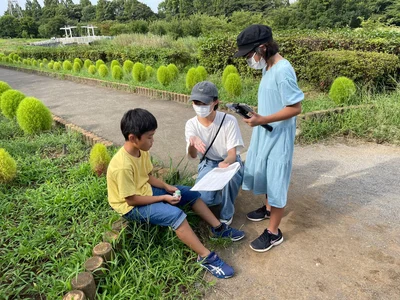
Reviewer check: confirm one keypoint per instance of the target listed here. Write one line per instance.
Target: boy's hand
(196, 142)
(170, 188)
(172, 200)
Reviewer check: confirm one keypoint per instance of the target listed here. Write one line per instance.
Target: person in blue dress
(268, 163)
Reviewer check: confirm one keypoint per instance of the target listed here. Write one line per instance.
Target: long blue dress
(268, 163)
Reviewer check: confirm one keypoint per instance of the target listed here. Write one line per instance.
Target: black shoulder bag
(205, 153)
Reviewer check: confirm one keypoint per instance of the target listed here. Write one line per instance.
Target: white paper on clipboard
(217, 178)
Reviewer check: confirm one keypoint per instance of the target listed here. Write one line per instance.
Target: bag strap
(205, 153)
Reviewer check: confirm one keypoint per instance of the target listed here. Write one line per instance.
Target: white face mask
(258, 65)
(202, 111)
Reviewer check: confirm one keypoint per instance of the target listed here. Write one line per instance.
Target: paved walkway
(341, 225)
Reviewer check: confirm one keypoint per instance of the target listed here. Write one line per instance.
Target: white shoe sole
(265, 250)
(257, 220)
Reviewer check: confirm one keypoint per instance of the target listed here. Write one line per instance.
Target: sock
(273, 233)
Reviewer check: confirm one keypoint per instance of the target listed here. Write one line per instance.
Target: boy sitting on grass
(138, 196)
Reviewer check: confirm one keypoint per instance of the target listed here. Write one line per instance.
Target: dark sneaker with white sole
(216, 266)
(227, 232)
(266, 241)
(259, 214)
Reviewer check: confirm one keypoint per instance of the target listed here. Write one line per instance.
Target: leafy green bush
(56, 66)
(116, 72)
(67, 65)
(342, 90)
(87, 63)
(92, 69)
(41, 65)
(163, 75)
(139, 72)
(103, 70)
(127, 66)
(4, 87)
(228, 70)
(8, 167)
(79, 61)
(192, 77)
(115, 63)
(149, 71)
(99, 157)
(50, 65)
(33, 116)
(370, 69)
(77, 67)
(35, 63)
(25, 61)
(202, 71)
(173, 71)
(45, 61)
(9, 102)
(233, 84)
(99, 62)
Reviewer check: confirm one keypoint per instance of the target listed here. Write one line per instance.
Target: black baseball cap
(205, 92)
(252, 37)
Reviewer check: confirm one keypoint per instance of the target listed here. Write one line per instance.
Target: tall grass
(56, 211)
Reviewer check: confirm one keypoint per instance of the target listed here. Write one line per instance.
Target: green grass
(10, 45)
(56, 211)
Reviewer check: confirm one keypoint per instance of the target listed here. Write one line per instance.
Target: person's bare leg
(266, 203)
(190, 239)
(205, 213)
(275, 219)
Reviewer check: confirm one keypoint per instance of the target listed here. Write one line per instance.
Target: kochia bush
(114, 63)
(33, 116)
(9, 102)
(98, 63)
(99, 159)
(342, 90)
(103, 70)
(233, 84)
(192, 77)
(228, 70)
(87, 63)
(127, 66)
(202, 72)
(79, 61)
(57, 66)
(139, 72)
(92, 69)
(77, 67)
(116, 72)
(173, 71)
(8, 167)
(163, 75)
(50, 65)
(4, 87)
(67, 65)
(149, 71)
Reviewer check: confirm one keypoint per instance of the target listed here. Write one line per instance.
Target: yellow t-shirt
(127, 176)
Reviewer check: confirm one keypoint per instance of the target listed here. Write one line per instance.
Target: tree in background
(10, 27)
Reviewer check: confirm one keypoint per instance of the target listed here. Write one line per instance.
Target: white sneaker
(227, 222)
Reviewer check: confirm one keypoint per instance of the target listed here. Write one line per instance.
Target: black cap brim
(244, 50)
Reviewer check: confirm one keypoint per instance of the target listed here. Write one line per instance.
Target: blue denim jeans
(227, 196)
(163, 213)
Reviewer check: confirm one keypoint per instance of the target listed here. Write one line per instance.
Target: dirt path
(341, 230)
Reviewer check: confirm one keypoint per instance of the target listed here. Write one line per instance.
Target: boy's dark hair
(137, 122)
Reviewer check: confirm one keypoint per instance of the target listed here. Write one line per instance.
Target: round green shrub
(139, 72)
(92, 69)
(8, 167)
(149, 71)
(29, 62)
(233, 84)
(15, 56)
(5, 59)
(79, 61)
(228, 70)
(163, 76)
(9, 102)
(87, 63)
(192, 77)
(99, 159)
(45, 61)
(4, 87)
(98, 63)
(173, 71)
(203, 73)
(115, 62)
(50, 65)
(35, 63)
(41, 65)
(57, 66)
(67, 65)
(116, 72)
(25, 61)
(127, 66)
(103, 70)
(77, 67)
(33, 116)
(342, 90)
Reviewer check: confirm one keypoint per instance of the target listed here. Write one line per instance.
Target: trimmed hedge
(372, 69)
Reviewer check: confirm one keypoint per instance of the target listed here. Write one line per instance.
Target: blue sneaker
(227, 232)
(216, 266)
